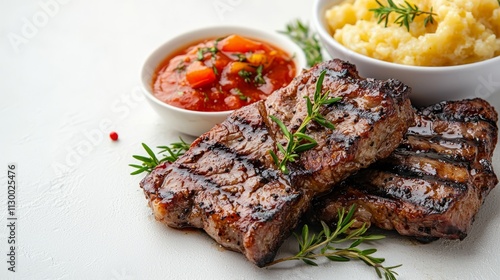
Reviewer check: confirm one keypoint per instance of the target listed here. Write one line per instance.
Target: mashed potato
(463, 31)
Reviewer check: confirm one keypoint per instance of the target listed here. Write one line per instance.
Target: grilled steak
(228, 185)
(434, 183)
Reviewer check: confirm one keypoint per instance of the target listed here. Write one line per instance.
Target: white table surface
(69, 75)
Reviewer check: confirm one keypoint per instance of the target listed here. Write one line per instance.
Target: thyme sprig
(300, 33)
(167, 154)
(324, 244)
(407, 13)
(299, 141)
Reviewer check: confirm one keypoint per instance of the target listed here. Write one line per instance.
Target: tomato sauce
(222, 74)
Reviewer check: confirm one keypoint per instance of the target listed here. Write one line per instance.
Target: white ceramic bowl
(193, 122)
(429, 84)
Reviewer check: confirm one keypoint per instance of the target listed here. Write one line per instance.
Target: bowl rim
(319, 21)
(189, 36)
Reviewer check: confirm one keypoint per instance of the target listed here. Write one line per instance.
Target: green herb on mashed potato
(407, 13)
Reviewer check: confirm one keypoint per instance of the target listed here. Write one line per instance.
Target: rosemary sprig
(167, 154)
(299, 141)
(324, 244)
(299, 33)
(407, 13)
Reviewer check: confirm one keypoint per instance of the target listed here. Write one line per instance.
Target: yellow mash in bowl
(463, 32)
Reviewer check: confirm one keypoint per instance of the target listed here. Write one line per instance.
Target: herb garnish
(240, 94)
(180, 67)
(242, 58)
(247, 75)
(216, 72)
(213, 50)
(325, 241)
(406, 11)
(168, 154)
(258, 79)
(299, 141)
(299, 33)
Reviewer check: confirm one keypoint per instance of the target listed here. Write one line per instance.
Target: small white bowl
(429, 84)
(193, 122)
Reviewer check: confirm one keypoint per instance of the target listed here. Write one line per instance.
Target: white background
(69, 74)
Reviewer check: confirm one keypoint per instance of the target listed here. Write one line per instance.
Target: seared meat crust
(370, 122)
(434, 183)
(228, 184)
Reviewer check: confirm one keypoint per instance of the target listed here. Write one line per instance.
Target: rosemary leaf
(143, 159)
(150, 153)
(305, 147)
(167, 154)
(338, 258)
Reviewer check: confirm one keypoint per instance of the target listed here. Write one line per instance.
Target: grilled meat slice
(370, 122)
(434, 183)
(227, 183)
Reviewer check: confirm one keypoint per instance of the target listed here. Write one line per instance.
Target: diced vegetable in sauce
(222, 74)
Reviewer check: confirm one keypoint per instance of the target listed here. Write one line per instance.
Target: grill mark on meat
(434, 183)
(403, 153)
(231, 192)
(412, 173)
(458, 150)
(432, 195)
(227, 182)
(453, 130)
(470, 111)
(345, 110)
(208, 177)
(431, 165)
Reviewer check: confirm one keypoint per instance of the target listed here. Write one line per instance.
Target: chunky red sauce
(222, 74)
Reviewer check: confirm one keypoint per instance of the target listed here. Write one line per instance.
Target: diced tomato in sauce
(222, 74)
